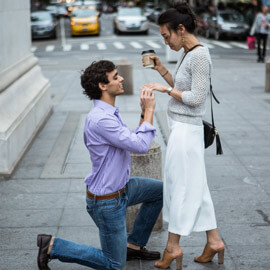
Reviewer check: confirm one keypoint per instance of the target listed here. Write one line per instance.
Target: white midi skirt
(187, 201)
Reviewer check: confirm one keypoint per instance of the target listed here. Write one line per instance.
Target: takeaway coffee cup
(148, 62)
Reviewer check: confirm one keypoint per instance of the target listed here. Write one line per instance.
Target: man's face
(115, 85)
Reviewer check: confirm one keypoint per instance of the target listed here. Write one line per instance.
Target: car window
(36, 17)
(130, 12)
(231, 17)
(82, 13)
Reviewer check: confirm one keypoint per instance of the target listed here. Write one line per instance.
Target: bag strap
(211, 87)
(198, 45)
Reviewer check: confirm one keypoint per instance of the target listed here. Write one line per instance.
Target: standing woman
(261, 28)
(188, 205)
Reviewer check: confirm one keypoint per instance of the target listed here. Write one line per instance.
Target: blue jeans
(110, 218)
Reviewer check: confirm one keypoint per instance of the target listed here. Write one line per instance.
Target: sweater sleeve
(200, 71)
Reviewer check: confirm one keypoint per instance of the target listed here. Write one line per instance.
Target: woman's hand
(155, 87)
(157, 63)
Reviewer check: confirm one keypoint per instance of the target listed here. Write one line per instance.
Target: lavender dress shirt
(109, 142)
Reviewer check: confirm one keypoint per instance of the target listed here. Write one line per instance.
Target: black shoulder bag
(210, 131)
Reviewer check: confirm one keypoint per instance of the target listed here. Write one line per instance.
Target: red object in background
(251, 42)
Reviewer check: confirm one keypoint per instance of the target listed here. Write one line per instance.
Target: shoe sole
(39, 241)
(140, 258)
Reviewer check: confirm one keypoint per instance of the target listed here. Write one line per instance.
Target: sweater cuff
(184, 97)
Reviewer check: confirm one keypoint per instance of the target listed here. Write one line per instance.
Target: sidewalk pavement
(46, 194)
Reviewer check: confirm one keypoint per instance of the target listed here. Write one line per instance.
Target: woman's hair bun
(180, 14)
(184, 8)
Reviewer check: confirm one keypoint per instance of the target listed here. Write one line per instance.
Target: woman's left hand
(155, 87)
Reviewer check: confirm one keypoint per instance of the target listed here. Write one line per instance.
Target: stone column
(24, 97)
(147, 165)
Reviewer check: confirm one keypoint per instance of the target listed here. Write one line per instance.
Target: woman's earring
(183, 39)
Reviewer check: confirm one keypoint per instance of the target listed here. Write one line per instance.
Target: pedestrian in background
(251, 13)
(109, 188)
(188, 205)
(261, 29)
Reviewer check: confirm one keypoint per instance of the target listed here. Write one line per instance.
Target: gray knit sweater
(193, 78)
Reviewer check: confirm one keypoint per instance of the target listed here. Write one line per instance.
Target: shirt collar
(106, 106)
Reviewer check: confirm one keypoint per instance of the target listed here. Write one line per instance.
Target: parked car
(57, 11)
(84, 21)
(153, 16)
(227, 23)
(130, 19)
(93, 3)
(43, 25)
(148, 9)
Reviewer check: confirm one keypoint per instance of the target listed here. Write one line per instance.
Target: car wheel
(146, 32)
(217, 35)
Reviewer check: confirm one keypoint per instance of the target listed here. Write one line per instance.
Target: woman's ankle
(173, 248)
(216, 244)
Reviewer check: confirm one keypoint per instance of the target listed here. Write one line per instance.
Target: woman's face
(171, 38)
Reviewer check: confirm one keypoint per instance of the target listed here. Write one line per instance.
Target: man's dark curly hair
(95, 74)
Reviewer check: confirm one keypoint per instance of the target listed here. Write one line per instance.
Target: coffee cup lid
(149, 51)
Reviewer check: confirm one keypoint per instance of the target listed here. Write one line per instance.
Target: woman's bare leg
(173, 243)
(213, 239)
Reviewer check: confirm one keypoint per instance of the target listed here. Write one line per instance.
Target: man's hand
(142, 106)
(149, 103)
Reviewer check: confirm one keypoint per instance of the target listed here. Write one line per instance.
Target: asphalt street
(108, 42)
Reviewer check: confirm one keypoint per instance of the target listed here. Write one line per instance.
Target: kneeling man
(110, 190)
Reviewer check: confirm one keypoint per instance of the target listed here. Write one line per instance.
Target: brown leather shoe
(168, 258)
(43, 242)
(209, 253)
(142, 254)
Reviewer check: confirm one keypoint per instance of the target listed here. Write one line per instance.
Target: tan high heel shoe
(209, 253)
(167, 259)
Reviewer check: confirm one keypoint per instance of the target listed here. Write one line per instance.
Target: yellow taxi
(84, 21)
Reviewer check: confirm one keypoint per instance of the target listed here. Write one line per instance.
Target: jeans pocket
(110, 205)
(91, 211)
